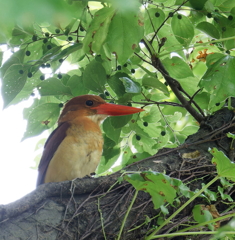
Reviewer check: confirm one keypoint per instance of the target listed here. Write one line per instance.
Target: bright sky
(17, 178)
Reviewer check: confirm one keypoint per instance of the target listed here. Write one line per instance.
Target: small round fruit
(119, 67)
(137, 137)
(29, 75)
(27, 53)
(145, 124)
(157, 14)
(21, 71)
(59, 76)
(163, 133)
(57, 31)
(49, 47)
(132, 70)
(42, 77)
(61, 105)
(34, 38)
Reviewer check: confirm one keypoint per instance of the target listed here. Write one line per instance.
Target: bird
(74, 148)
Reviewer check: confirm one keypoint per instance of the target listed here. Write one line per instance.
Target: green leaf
(151, 22)
(223, 195)
(183, 29)
(15, 58)
(224, 166)
(145, 143)
(13, 82)
(174, 118)
(41, 118)
(69, 26)
(130, 85)
(76, 86)
(197, 4)
(98, 30)
(177, 68)
(219, 79)
(112, 133)
(230, 32)
(212, 196)
(201, 214)
(147, 182)
(153, 115)
(94, 77)
(120, 121)
(154, 83)
(208, 29)
(67, 51)
(189, 130)
(53, 86)
(124, 23)
(116, 84)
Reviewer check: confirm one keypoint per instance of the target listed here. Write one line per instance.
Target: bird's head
(94, 107)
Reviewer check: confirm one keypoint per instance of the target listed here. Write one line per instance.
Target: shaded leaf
(94, 77)
(183, 29)
(124, 23)
(219, 79)
(112, 133)
(130, 85)
(177, 68)
(120, 121)
(41, 118)
(76, 85)
(208, 29)
(53, 86)
(154, 83)
(13, 82)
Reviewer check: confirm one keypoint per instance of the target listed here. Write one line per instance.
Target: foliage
(174, 58)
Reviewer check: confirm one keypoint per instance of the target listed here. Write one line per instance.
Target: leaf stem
(190, 233)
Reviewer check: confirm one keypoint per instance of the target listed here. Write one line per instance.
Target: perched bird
(74, 148)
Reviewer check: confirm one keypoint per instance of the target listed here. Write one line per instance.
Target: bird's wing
(51, 145)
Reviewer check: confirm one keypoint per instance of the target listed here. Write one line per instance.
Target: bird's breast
(78, 154)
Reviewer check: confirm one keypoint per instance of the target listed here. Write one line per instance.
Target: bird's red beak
(116, 110)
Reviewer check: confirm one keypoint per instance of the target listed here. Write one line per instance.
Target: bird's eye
(89, 103)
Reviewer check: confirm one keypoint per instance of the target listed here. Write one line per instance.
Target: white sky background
(17, 178)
